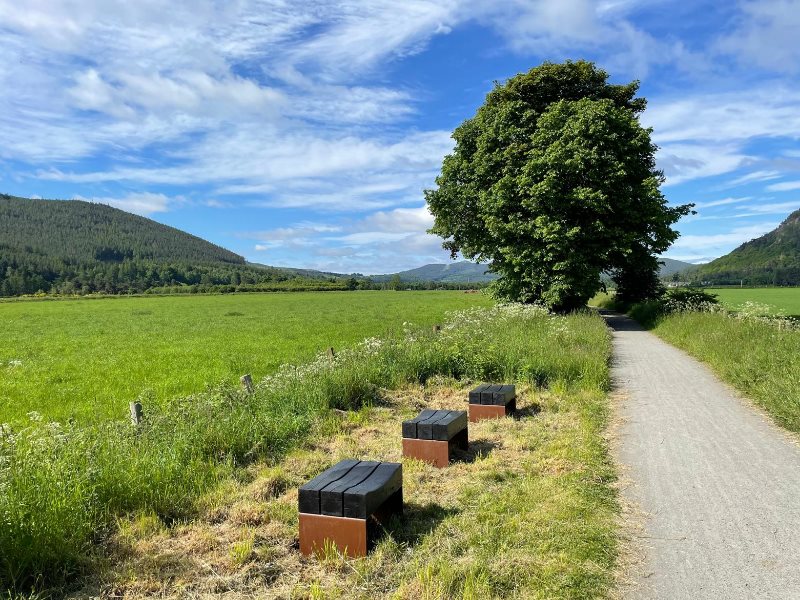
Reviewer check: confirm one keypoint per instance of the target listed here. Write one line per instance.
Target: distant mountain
(311, 273)
(71, 246)
(469, 272)
(456, 272)
(672, 266)
(772, 259)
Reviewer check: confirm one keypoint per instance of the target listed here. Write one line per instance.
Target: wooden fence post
(247, 383)
(136, 413)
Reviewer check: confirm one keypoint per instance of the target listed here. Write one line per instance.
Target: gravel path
(718, 484)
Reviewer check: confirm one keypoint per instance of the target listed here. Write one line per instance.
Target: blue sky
(303, 133)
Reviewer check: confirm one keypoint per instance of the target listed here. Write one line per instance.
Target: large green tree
(554, 182)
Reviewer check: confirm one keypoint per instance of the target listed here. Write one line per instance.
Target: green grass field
(88, 358)
(786, 300)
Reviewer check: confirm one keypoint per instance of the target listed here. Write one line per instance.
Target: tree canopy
(554, 182)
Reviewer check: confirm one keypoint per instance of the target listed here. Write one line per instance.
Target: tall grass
(62, 485)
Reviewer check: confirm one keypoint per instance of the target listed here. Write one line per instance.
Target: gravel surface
(718, 484)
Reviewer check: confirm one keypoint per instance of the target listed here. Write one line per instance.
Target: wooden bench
(433, 434)
(490, 401)
(344, 504)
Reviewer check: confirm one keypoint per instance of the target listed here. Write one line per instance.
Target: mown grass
(88, 358)
(755, 356)
(65, 486)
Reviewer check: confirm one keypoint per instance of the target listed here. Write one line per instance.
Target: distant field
(781, 299)
(89, 358)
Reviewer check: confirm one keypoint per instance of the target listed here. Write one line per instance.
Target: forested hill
(79, 231)
(772, 259)
(70, 246)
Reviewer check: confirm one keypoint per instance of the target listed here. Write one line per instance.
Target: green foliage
(87, 358)
(63, 485)
(691, 299)
(553, 182)
(772, 259)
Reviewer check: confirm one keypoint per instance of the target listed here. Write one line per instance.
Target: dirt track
(717, 483)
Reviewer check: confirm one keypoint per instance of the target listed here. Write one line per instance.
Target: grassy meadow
(783, 300)
(201, 499)
(88, 358)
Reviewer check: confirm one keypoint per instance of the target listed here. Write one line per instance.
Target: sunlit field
(780, 299)
(89, 358)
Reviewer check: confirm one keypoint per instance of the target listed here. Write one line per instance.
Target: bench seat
(341, 504)
(432, 435)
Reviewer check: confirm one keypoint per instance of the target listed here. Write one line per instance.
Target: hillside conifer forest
(76, 247)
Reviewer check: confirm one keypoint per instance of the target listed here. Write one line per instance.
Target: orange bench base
(348, 535)
(435, 452)
(479, 412)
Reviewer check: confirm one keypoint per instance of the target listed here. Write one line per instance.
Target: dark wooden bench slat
(361, 500)
(487, 395)
(308, 494)
(425, 428)
(410, 426)
(504, 395)
(475, 395)
(330, 497)
(450, 425)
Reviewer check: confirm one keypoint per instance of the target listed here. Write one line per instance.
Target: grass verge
(68, 488)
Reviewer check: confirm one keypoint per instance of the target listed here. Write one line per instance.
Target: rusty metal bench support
(435, 452)
(479, 412)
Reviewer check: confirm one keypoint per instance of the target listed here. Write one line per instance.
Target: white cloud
(687, 161)
(764, 175)
(766, 35)
(772, 208)
(381, 242)
(722, 202)
(143, 203)
(704, 135)
(785, 186)
(722, 241)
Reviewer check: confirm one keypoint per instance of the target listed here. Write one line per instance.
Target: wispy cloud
(723, 202)
(755, 176)
(143, 203)
(734, 237)
(785, 186)
(381, 242)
